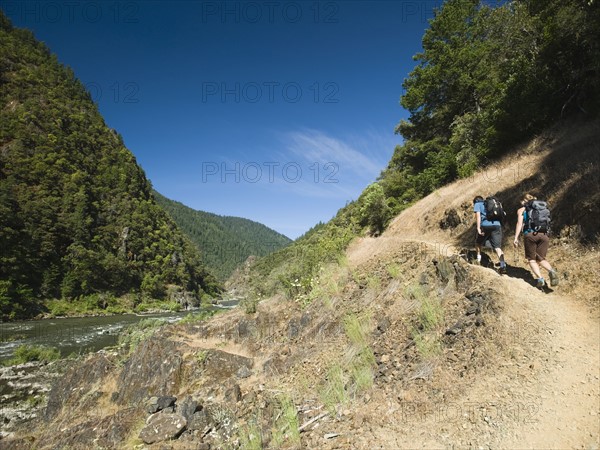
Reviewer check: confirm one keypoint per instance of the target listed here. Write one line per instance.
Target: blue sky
(277, 111)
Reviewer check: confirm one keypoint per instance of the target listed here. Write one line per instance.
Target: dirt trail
(565, 384)
(546, 397)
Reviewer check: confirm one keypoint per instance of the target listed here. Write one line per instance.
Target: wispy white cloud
(317, 147)
(345, 165)
(289, 183)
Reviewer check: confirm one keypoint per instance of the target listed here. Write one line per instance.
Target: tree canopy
(488, 78)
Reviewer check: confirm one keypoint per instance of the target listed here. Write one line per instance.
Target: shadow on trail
(491, 262)
(520, 272)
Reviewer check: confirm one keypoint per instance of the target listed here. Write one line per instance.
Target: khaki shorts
(536, 246)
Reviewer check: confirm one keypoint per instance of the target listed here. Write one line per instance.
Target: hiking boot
(540, 283)
(554, 278)
(502, 269)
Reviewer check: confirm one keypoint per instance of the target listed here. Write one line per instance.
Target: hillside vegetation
(402, 344)
(224, 242)
(488, 78)
(77, 212)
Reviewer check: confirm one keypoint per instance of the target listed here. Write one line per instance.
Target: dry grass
(562, 165)
(386, 277)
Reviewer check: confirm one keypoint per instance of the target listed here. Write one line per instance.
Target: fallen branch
(311, 421)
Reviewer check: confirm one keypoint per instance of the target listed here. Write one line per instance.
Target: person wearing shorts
(536, 246)
(487, 231)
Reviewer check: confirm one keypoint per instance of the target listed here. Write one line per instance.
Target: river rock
(187, 407)
(23, 392)
(163, 426)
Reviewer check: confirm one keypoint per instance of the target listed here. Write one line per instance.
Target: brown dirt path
(546, 397)
(567, 382)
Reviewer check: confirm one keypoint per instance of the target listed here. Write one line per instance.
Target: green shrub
(374, 211)
(28, 353)
(135, 334)
(59, 307)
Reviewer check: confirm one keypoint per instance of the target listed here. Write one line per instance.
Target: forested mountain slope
(224, 241)
(76, 211)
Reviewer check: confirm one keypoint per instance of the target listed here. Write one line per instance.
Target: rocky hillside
(404, 344)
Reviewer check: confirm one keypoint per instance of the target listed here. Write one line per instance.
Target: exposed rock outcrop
(154, 369)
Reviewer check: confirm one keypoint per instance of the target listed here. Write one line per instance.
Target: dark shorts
(536, 246)
(492, 234)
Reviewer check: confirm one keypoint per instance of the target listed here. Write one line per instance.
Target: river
(72, 334)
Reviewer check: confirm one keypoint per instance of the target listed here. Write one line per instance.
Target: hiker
(489, 230)
(533, 219)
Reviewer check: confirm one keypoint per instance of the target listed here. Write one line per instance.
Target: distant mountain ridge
(225, 242)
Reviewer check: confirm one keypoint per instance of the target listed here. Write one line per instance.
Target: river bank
(23, 391)
(84, 333)
(24, 387)
(72, 335)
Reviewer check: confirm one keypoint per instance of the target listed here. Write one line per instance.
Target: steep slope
(540, 387)
(406, 345)
(225, 242)
(77, 213)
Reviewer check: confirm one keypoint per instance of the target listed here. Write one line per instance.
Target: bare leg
(546, 265)
(535, 268)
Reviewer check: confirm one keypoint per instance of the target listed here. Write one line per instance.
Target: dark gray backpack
(494, 210)
(538, 216)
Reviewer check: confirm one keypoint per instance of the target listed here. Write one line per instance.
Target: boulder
(155, 404)
(188, 407)
(201, 421)
(162, 427)
(222, 365)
